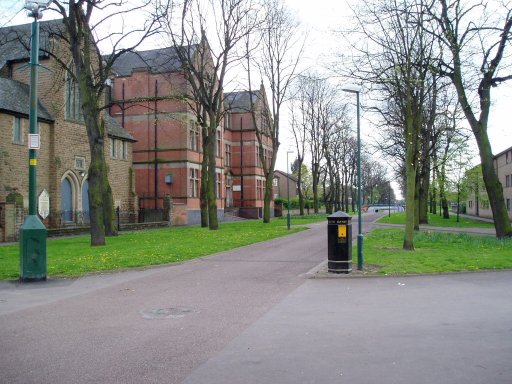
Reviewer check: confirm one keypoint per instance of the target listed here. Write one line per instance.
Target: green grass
(435, 252)
(438, 221)
(73, 256)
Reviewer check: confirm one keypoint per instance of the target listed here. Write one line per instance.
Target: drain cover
(166, 313)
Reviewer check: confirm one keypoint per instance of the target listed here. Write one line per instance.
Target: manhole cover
(166, 313)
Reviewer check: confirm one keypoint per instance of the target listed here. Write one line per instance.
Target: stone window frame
(113, 149)
(17, 130)
(194, 182)
(193, 142)
(78, 166)
(73, 110)
(218, 189)
(227, 160)
(219, 143)
(124, 150)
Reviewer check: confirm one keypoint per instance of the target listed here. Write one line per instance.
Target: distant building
(281, 181)
(477, 203)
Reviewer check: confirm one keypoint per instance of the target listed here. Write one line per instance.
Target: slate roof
(158, 60)
(15, 47)
(15, 40)
(115, 129)
(15, 99)
(240, 102)
(284, 174)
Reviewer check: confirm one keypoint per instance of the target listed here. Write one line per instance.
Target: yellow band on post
(33, 161)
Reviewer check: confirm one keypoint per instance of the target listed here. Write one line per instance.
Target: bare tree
(84, 27)
(209, 33)
(476, 32)
(280, 48)
(320, 114)
(298, 125)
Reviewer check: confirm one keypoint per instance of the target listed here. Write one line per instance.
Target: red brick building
(247, 177)
(148, 90)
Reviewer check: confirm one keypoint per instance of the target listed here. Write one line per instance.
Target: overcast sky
(321, 18)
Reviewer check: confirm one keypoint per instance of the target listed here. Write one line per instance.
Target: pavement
(256, 315)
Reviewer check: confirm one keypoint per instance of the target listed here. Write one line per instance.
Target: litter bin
(339, 243)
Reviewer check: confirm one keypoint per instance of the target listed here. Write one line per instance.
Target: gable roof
(115, 129)
(157, 60)
(15, 99)
(240, 101)
(15, 40)
(279, 173)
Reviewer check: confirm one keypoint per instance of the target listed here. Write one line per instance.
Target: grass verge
(73, 256)
(438, 221)
(435, 252)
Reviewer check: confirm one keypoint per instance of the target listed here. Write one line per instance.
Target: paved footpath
(253, 316)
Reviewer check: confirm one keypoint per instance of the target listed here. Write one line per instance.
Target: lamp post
(33, 232)
(360, 196)
(288, 188)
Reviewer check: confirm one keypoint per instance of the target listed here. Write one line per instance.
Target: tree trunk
(203, 194)
(101, 210)
(267, 198)
(410, 171)
(316, 177)
(213, 222)
(494, 188)
(299, 189)
(417, 203)
(96, 198)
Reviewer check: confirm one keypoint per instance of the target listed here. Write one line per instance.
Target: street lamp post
(33, 232)
(360, 196)
(288, 221)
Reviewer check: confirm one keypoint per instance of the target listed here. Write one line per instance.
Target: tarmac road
(251, 316)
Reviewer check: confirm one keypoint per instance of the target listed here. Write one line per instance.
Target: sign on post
(34, 141)
(44, 204)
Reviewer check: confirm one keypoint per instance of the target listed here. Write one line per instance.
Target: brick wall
(61, 144)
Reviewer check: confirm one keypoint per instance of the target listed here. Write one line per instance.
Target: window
(260, 189)
(508, 204)
(507, 181)
(226, 120)
(123, 150)
(73, 101)
(470, 203)
(228, 155)
(193, 140)
(80, 163)
(219, 143)
(218, 191)
(275, 181)
(194, 182)
(17, 131)
(112, 148)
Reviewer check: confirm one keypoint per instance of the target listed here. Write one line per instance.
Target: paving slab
(422, 329)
